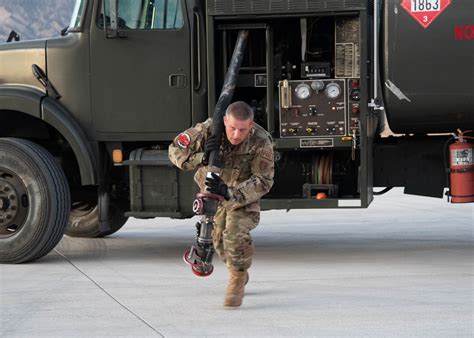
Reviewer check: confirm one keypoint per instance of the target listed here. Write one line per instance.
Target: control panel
(313, 108)
(353, 105)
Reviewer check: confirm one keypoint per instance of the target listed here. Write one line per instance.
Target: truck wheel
(34, 201)
(84, 221)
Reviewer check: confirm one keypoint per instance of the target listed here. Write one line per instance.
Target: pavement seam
(108, 294)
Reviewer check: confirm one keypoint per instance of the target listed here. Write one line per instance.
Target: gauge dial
(317, 85)
(303, 91)
(333, 91)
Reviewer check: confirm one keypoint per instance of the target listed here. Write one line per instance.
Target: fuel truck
(359, 97)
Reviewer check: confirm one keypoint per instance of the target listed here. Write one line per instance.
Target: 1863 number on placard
(425, 5)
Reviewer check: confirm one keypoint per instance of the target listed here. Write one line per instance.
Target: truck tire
(34, 201)
(84, 221)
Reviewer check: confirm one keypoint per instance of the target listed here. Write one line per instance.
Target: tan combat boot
(235, 289)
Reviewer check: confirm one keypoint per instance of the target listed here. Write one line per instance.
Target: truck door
(140, 77)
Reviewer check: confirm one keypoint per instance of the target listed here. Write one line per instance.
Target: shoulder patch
(184, 140)
(267, 154)
(263, 165)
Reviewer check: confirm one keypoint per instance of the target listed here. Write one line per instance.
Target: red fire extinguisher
(461, 169)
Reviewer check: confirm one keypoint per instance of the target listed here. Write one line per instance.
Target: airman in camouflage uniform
(246, 176)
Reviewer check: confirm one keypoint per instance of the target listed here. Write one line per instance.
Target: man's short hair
(240, 110)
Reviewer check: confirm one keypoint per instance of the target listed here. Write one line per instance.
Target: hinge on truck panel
(374, 103)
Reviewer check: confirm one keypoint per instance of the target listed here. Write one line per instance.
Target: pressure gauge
(317, 85)
(333, 91)
(303, 91)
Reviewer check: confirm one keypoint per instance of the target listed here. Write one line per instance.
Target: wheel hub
(13, 203)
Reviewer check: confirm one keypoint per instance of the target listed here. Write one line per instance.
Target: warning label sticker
(316, 143)
(425, 11)
(461, 157)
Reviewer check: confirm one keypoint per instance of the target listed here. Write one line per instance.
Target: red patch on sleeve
(184, 140)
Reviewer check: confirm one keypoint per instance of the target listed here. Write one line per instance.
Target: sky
(34, 19)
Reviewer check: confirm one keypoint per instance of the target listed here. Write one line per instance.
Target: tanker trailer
(427, 71)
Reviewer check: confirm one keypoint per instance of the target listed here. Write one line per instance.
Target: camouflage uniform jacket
(248, 167)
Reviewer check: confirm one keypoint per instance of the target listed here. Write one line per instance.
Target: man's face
(237, 131)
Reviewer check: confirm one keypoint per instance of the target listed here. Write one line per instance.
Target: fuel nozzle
(199, 256)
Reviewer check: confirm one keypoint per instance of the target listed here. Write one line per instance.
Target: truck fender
(34, 102)
(21, 98)
(57, 116)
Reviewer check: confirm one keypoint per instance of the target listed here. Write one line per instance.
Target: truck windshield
(77, 14)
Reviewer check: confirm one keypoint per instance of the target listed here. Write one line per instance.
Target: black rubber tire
(84, 221)
(48, 200)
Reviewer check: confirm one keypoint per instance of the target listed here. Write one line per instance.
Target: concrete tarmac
(401, 268)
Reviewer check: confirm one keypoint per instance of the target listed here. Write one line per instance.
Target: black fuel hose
(226, 95)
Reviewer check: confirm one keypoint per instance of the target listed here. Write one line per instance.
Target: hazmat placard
(425, 11)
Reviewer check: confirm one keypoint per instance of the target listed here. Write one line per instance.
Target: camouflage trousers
(231, 236)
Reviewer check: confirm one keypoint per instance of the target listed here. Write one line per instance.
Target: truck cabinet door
(140, 79)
